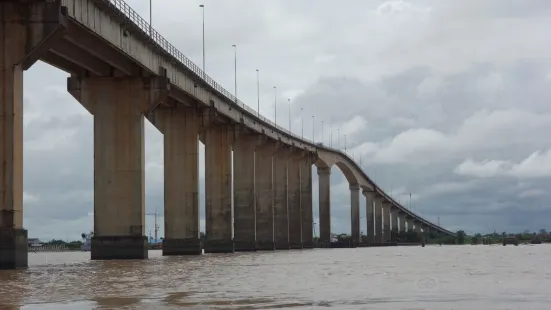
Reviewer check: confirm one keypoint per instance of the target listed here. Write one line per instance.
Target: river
(433, 277)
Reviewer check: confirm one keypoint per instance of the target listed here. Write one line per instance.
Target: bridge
(123, 71)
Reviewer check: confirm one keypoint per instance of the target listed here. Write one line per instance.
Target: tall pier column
(180, 125)
(27, 30)
(369, 197)
(118, 106)
(306, 201)
(281, 218)
(218, 195)
(294, 192)
(264, 198)
(324, 179)
(394, 217)
(244, 192)
(379, 219)
(386, 221)
(418, 227)
(409, 221)
(355, 214)
(403, 225)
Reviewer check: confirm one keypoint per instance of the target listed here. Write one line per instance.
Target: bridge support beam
(324, 177)
(306, 201)
(386, 221)
(355, 214)
(180, 126)
(294, 193)
(27, 31)
(118, 106)
(264, 198)
(394, 217)
(379, 219)
(244, 192)
(402, 218)
(281, 215)
(369, 197)
(409, 221)
(218, 184)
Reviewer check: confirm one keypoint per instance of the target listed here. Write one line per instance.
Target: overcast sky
(448, 100)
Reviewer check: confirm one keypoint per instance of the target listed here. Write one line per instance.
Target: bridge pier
(218, 177)
(27, 30)
(386, 221)
(379, 219)
(324, 177)
(306, 201)
(394, 216)
(118, 106)
(355, 214)
(180, 125)
(294, 209)
(244, 192)
(281, 211)
(264, 198)
(402, 217)
(369, 196)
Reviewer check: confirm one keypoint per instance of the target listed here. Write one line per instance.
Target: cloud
(538, 164)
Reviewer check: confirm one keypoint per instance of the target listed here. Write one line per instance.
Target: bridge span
(122, 71)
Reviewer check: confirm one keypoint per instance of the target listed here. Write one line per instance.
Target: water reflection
(381, 278)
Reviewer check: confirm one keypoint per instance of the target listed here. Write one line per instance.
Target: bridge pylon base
(219, 246)
(182, 247)
(13, 248)
(119, 247)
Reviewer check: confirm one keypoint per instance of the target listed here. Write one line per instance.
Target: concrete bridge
(122, 71)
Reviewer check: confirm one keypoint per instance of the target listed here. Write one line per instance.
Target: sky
(446, 100)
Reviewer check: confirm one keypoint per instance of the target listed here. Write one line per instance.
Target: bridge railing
(158, 39)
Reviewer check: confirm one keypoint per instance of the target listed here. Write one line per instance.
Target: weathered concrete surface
(379, 219)
(218, 177)
(369, 214)
(118, 105)
(306, 201)
(324, 180)
(244, 191)
(27, 31)
(264, 198)
(294, 201)
(13, 248)
(418, 227)
(403, 224)
(394, 218)
(386, 221)
(281, 215)
(410, 224)
(179, 125)
(355, 213)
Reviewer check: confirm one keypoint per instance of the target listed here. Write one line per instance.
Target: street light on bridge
(235, 70)
(275, 106)
(203, 9)
(258, 92)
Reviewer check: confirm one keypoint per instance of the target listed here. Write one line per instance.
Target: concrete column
(281, 219)
(294, 209)
(179, 125)
(324, 180)
(369, 214)
(264, 198)
(355, 214)
(386, 221)
(118, 106)
(410, 224)
(244, 192)
(218, 195)
(379, 219)
(402, 217)
(21, 45)
(306, 201)
(394, 216)
(418, 227)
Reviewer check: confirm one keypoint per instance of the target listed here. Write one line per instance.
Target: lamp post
(150, 18)
(203, 7)
(313, 131)
(301, 123)
(235, 70)
(289, 100)
(275, 106)
(322, 137)
(345, 143)
(258, 91)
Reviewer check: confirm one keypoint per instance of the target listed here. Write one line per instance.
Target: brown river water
(434, 277)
